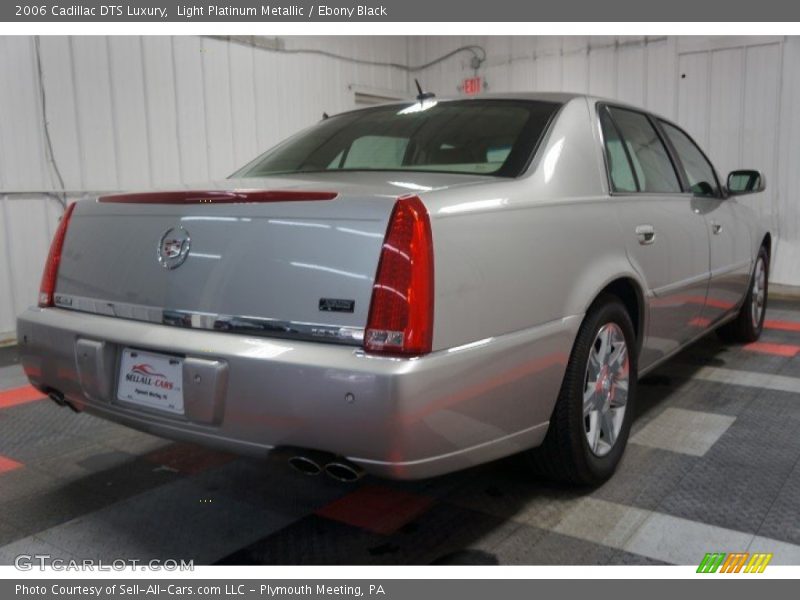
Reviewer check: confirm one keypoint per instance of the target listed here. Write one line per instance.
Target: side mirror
(746, 181)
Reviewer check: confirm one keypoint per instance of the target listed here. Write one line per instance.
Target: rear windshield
(481, 137)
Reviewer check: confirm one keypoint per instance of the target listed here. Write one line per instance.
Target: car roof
(560, 97)
(556, 97)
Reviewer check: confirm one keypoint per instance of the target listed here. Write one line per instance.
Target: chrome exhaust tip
(343, 471)
(305, 465)
(57, 397)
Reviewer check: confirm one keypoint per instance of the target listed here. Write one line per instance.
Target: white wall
(739, 97)
(127, 112)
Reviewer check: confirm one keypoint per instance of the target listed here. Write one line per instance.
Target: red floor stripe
(6, 464)
(776, 349)
(782, 325)
(20, 395)
(376, 508)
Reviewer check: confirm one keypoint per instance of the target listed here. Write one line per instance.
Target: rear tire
(749, 322)
(592, 418)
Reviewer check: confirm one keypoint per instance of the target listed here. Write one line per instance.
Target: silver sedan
(408, 289)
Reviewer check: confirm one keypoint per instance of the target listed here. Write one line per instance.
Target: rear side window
(699, 171)
(649, 160)
(619, 166)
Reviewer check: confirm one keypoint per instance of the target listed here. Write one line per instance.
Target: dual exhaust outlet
(59, 399)
(314, 463)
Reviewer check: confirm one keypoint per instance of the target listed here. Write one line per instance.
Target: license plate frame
(151, 380)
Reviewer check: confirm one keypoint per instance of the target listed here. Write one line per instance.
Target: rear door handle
(646, 234)
(716, 227)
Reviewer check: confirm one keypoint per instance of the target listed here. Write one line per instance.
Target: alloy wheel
(605, 389)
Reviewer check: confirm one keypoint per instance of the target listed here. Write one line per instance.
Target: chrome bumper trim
(258, 326)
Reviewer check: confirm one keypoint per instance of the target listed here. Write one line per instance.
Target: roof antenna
(422, 96)
(325, 116)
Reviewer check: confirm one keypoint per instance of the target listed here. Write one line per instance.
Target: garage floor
(713, 464)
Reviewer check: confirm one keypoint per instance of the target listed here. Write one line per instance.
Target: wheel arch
(629, 290)
(766, 243)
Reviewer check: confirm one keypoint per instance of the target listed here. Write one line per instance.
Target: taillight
(401, 312)
(48, 287)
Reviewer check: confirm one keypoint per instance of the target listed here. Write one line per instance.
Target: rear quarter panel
(515, 254)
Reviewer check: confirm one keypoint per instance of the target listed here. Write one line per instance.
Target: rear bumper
(398, 418)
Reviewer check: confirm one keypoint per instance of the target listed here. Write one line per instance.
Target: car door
(665, 238)
(730, 260)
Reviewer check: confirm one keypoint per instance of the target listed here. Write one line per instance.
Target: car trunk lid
(291, 260)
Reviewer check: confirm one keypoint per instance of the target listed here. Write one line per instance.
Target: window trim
(721, 191)
(604, 105)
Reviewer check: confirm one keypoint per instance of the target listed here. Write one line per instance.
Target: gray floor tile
(76, 463)
(272, 486)
(740, 478)
(446, 530)
(785, 309)
(37, 446)
(656, 393)
(468, 557)
(445, 534)
(316, 541)
(715, 397)
(533, 546)
(39, 430)
(442, 486)
(39, 511)
(723, 495)
(601, 522)
(623, 558)
(9, 355)
(12, 377)
(23, 482)
(713, 352)
(684, 431)
(792, 367)
(134, 442)
(780, 336)
(127, 479)
(681, 542)
(782, 521)
(519, 497)
(180, 520)
(782, 553)
(750, 379)
(645, 477)
(31, 546)
(8, 534)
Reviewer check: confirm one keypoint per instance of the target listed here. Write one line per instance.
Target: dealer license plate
(152, 380)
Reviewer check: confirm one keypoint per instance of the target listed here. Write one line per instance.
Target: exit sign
(472, 86)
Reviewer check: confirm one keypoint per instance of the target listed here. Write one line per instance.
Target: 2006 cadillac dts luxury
(408, 289)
